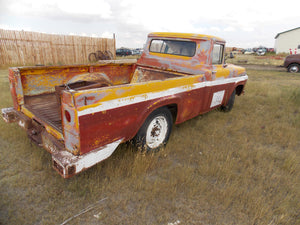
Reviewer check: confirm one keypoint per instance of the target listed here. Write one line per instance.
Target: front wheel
(294, 68)
(229, 105)
(155, 131)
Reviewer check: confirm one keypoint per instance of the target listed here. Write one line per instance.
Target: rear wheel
(294, 68)
(155, 131)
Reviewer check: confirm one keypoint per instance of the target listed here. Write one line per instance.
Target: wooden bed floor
(46, 108)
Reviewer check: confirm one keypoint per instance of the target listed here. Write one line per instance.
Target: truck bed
(46, 108)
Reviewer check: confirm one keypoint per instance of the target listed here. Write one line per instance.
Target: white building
(287, 40)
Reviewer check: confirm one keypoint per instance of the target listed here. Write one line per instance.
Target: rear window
(184, 48)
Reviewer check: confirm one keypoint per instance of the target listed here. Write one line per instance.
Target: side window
(218, 54)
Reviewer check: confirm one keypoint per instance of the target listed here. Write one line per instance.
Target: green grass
(240, 167)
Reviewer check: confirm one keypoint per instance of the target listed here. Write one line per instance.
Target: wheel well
(293, 63)
(239, 90)
(173, 110)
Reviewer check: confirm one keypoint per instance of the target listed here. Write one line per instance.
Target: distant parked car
(123, 52)
(261, 51)
(292, 63)
(248, 51)
(137, 51)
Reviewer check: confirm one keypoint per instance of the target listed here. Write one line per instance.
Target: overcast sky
(242, 23)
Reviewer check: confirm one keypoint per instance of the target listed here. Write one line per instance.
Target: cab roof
(185, 36)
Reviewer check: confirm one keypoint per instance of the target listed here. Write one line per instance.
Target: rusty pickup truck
(81, 113)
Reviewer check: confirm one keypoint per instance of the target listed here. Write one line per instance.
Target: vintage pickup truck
(81, 113)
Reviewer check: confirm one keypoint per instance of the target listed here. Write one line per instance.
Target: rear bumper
(64, 162)
(67, 164)
(11, 115)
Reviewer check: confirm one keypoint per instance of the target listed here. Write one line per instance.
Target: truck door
(219, 73)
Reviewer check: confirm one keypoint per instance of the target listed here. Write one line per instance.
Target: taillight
(67, 116)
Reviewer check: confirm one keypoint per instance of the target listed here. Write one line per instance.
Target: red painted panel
(105, 127)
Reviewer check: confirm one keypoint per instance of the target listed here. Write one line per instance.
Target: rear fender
(171, 103)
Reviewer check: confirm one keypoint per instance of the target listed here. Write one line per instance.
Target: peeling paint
(93, 118)
(149, 95)
(67, 160)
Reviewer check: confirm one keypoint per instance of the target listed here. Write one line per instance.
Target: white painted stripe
(93, 157)
(115, 103)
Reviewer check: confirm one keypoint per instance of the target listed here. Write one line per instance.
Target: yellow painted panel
(135, 89)
(185, 35)
(27, 112)
(54, 132)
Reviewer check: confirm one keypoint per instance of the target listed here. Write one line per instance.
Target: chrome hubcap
(294, 69)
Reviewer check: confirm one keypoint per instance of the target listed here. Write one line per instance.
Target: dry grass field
(240, 167)
(269, 59)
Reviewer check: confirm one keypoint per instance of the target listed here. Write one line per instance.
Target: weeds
(240, 167)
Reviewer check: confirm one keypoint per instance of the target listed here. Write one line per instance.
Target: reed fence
(30, 48)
